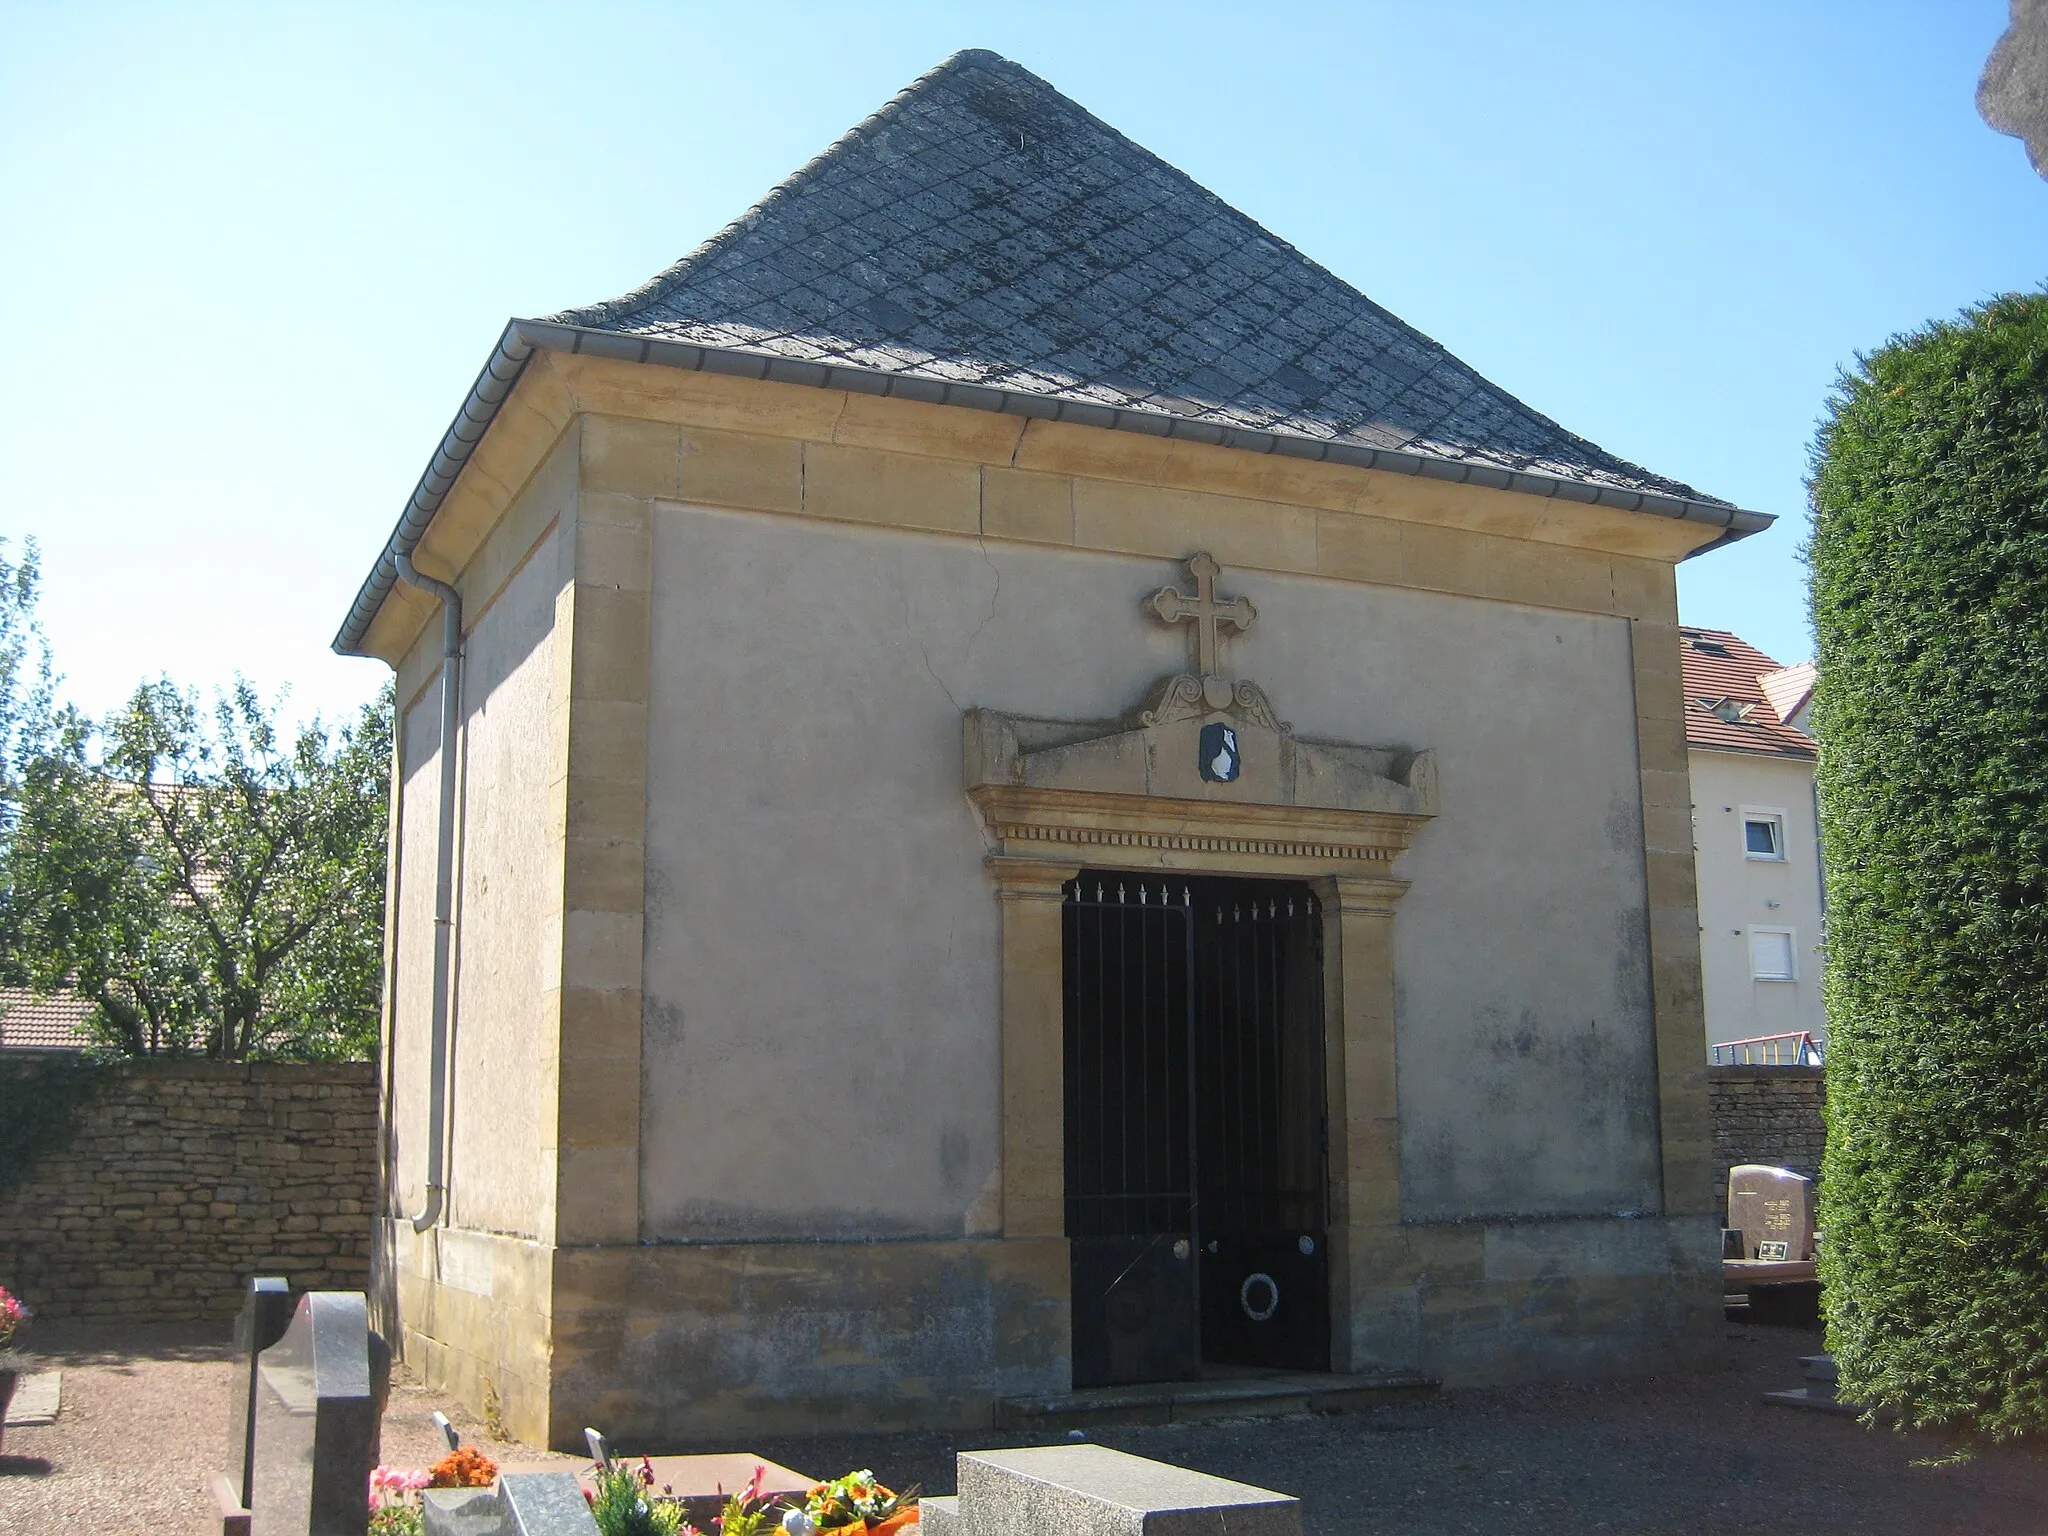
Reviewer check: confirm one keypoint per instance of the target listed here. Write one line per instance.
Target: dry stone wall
(186, 1177)
(1767, 1115)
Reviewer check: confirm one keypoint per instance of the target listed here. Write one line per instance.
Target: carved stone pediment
(1139, 783)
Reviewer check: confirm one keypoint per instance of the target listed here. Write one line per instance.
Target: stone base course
(184, 1179)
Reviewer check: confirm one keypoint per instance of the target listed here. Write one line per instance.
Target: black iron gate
(1195, 1135)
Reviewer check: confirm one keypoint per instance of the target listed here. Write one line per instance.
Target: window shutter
(1771, 956)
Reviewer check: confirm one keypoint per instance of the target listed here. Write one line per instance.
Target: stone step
(1270, 1395)
(1816, 1397)
(1091, 1490)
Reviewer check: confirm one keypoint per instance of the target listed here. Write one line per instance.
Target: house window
(1763, 833)
(1771, 955)
(1734, 711)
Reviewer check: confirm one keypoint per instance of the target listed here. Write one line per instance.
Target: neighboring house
(1756, 844)
(29, 1022)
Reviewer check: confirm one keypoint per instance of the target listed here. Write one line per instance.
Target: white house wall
(1736, 893)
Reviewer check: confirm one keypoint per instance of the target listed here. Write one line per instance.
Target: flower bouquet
(395, 1491)
(851, 1505)
(15, 1363)
(625, 1503)
(463, 1467)
(395, 1501)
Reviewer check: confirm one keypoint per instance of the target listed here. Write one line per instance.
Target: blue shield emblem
(1219, 753)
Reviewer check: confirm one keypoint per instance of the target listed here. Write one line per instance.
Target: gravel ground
(144, 1410)
(1686, 1456)
(143, 1425)
(143, 1415)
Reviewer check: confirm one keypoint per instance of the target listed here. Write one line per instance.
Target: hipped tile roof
(984, 229)
(29, 1022)
(1719, 665)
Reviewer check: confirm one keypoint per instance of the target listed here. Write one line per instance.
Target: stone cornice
(1064, 825)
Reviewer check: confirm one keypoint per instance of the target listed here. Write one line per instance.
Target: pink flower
(12, 1315)
(390, 1485)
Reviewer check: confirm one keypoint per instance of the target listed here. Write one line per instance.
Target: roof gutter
(522, 338)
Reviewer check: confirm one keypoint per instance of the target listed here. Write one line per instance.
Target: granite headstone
(266, 1313)
(1770, 1206)
(316, 1421)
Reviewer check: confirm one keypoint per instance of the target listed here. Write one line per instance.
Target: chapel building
(1004, 788)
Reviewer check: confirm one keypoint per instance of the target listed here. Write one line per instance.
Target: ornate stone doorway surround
(1132, 793)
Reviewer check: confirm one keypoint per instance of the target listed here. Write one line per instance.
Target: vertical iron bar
(1194, 1185)
(1240, 1030)
(1270, 1106)
(1123, 1106)
(1102, 1056)
(1144, 917)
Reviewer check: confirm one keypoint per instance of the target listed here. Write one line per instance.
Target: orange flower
(464, 1468)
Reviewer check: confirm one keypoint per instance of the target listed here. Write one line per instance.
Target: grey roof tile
(982, 228)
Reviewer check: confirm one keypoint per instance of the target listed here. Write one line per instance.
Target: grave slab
(316, 1421)
(544, 1504)
(523, 1504)
(36, 1400)
(1091, 1490)
(700, 1483)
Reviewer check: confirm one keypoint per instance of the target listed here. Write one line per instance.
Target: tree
(209, 887)
(26, 678)
(1929, 559)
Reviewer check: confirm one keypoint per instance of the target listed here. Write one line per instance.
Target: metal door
(1195, 1134)
(1261, 1125)
(1129, 1147)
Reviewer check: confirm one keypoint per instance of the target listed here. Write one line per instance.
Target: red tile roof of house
(32, 1023)
(1721, 669)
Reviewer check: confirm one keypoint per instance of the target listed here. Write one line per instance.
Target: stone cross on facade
(1210, 616)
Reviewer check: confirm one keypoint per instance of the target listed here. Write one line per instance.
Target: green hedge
(1930, 602)
(41, 1101)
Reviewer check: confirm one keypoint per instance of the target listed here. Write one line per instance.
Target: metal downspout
(444, 885)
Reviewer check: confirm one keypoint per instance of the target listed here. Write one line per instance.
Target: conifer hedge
(1929, 561)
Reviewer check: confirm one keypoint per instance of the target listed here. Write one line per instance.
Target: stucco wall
(186, 1178)
(1735, 892)
(821, 936)
(508, 860)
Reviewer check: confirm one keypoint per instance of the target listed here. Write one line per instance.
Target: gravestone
(523, 1504)
(266, 1313)
(317, 1410)
(1091, 1490)
(1771, 1206)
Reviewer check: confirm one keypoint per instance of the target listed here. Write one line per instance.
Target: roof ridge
(615, 310)
(658, 286)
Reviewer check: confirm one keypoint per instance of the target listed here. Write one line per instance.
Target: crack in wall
(910, 628)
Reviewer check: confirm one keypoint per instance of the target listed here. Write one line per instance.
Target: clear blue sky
(254, 255)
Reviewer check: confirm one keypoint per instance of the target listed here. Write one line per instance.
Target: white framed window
(1763, 833)
(1772, 954)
